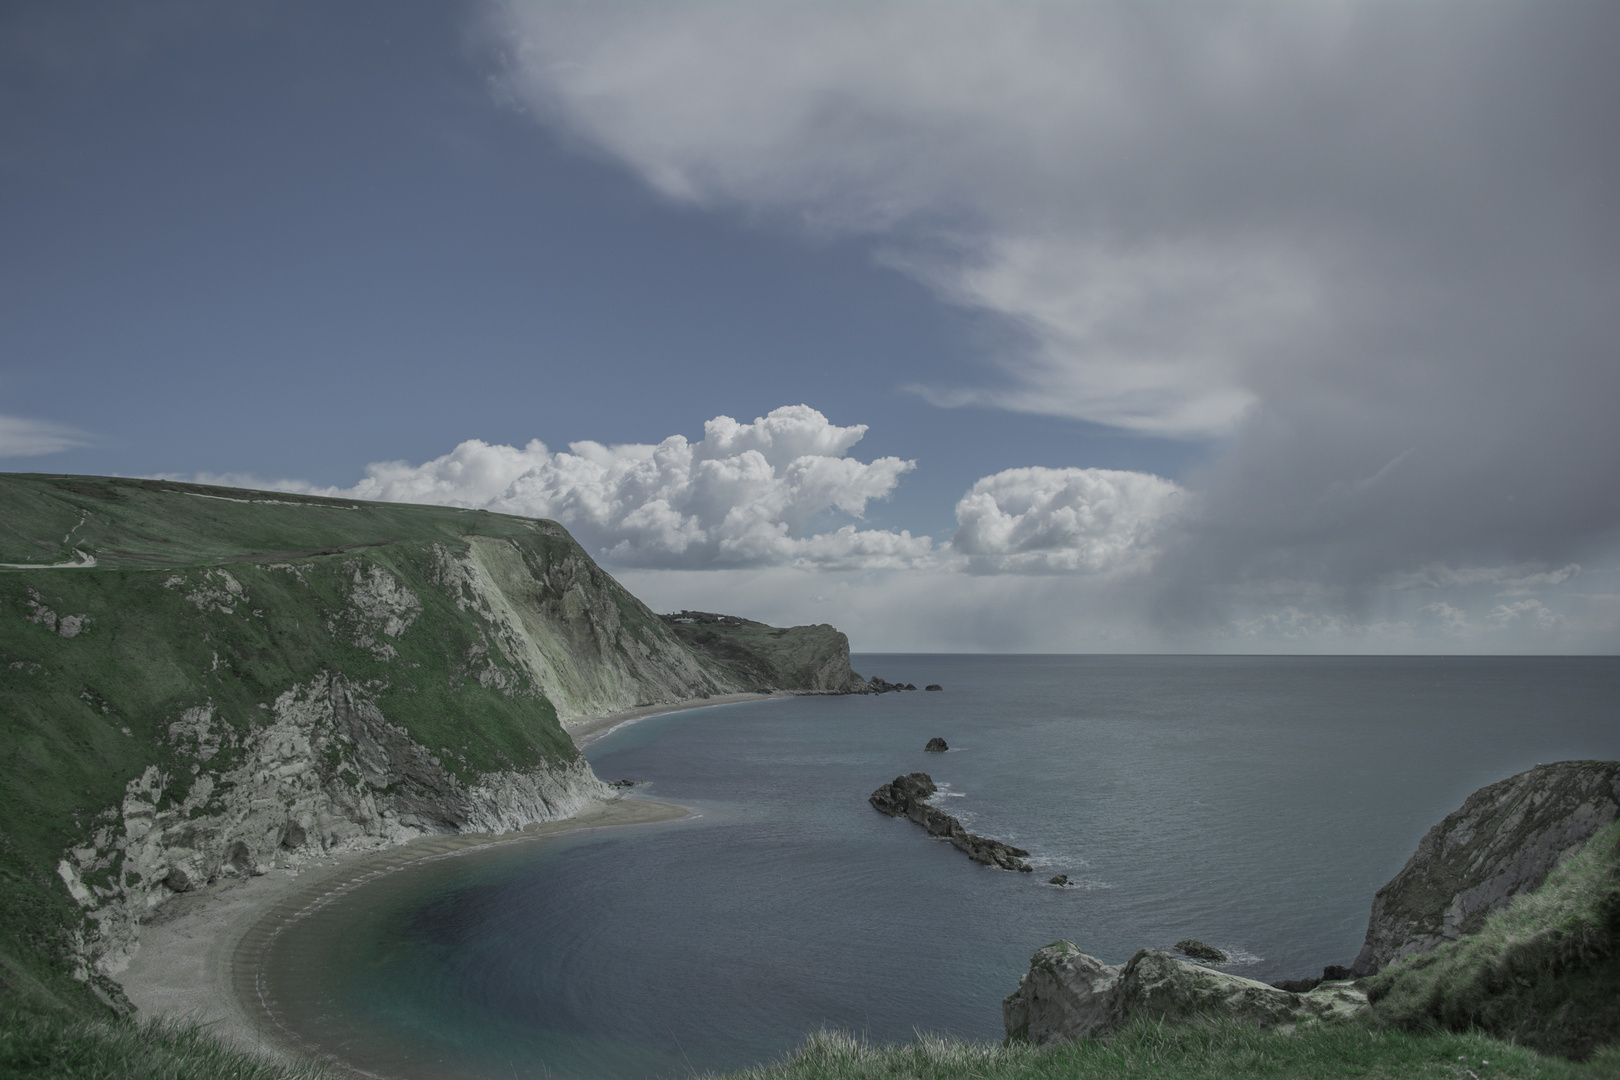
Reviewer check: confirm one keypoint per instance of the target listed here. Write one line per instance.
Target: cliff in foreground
(200, 682)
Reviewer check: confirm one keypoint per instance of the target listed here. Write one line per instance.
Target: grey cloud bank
(1371, 251)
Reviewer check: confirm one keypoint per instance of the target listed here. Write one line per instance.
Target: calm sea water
(1255, 803)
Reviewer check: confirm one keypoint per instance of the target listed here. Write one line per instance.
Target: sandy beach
(589, 730)
(200, 953)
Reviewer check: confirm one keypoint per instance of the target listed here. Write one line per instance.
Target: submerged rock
(1500, 843)
(907, 797)
(936, 745)
(933, 686)
(1061, 879)
(1068, 994)
(1198, 950)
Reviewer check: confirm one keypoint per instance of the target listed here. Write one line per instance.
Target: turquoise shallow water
(1256, 803)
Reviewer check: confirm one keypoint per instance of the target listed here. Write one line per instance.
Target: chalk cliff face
(1500, 843)
(202, 683)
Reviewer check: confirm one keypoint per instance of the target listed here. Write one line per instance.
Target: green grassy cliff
(202, 682)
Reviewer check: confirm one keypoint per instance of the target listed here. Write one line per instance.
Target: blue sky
(1224, 327)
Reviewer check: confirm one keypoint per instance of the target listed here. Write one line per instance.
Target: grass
(83, 714)
(45, 1047)
(1213, 1051)
(1544, 971)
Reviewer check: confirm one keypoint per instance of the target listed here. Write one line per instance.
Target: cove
(1255, 803)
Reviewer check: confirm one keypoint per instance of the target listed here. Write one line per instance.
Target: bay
(1253, 802)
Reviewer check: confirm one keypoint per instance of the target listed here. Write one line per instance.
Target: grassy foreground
(59, 1047)
(1226, 1051)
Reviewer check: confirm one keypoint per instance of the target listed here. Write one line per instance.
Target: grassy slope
(1200, 1052)
(1544, 971)
(81, 717)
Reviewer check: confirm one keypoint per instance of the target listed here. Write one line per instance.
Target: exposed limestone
(1068, 994)
(1500, 843)
(327, 774)
(562, 623)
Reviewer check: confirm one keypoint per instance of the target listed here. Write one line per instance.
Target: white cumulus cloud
(743, 495)
(1040, 520)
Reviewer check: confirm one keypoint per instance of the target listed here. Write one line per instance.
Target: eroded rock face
(327, 773)
(1501, 842)
(907, 797)
(1068, 995)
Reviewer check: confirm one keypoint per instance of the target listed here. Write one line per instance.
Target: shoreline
(200, 954)
(588, 730)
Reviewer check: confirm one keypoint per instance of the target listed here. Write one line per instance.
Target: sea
(1254, 803)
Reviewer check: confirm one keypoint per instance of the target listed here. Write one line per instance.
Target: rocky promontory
(797, 659)
(907, 796)
(1500, 843)
(1506, 920)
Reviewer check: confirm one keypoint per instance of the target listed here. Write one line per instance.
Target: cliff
(1502, 842)
(205, 682)
(1505, 920)
(807, 659)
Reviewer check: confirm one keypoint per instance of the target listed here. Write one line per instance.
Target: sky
(963, 326)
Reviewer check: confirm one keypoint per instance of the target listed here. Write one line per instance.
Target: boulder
(936, 745)
(1500, 843)
(906, 796)
(1198, 950)
(1061, 879)
(1069, 995)
(933, 686)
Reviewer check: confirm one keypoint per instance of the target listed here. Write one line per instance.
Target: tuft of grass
(1544, 971)
(1212, 1051)
(56, 1047)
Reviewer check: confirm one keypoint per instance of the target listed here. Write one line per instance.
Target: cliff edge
(201, 683)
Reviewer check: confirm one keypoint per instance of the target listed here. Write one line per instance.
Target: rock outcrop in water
(936, 745)
(1199, 950)
(1068, 995)
(1500, 843)
(907, 797)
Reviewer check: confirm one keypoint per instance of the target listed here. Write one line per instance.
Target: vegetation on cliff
(1543, 972)
(198, 682)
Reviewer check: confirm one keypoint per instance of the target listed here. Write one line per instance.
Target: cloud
(25, 437)
(1001, 153)
(1531, 613)
(1512, 580)
(1370, 249)
(744, 495)
(1040, 520)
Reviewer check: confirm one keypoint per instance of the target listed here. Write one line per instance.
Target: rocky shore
(1554, 987)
